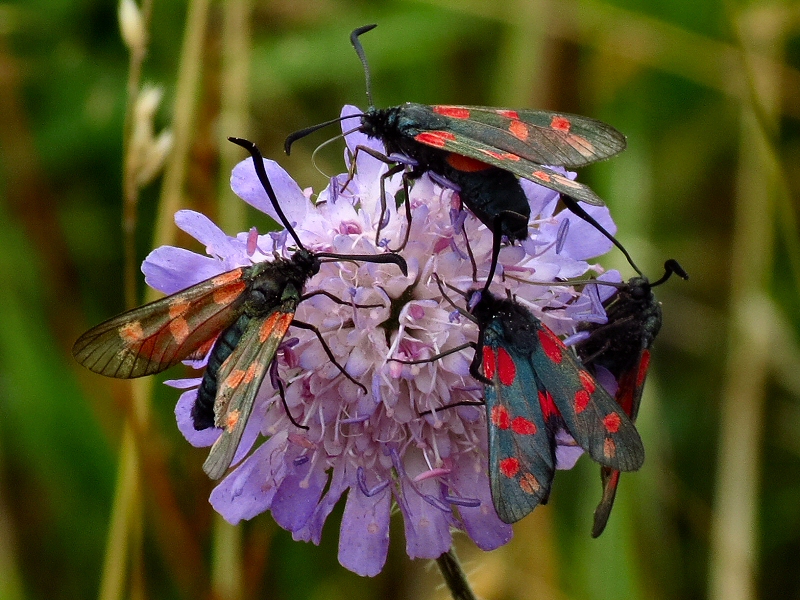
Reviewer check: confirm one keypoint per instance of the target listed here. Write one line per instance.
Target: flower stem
(184, 113)
(454, 576)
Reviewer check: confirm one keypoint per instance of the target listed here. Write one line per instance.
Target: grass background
(101, 496)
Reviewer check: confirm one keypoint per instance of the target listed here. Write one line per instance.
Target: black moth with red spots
(482, 151)
(622, 346)
(534, 386)
(240, 317)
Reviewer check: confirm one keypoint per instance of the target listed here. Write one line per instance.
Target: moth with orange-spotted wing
(240, 317)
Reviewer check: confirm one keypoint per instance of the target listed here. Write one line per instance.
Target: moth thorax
(308, 262)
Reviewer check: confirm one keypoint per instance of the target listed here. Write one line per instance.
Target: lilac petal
(312, 530)
(369, 168)
(567, 450)
(169, 269)
(427, 527)
(252, 429)
(248, 491)
(205, 231)
(542, 200)
(482, 524)
(183, 384)
(364, 535)
(298, 496)
(605, 378)
(183, 415)
(584, 240)
(246, 185)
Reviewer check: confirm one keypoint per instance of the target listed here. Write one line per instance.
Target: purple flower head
(374, 450)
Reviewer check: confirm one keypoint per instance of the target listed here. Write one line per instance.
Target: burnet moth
(480, 151)
(622, 347)
(240, 316)
(533, 388)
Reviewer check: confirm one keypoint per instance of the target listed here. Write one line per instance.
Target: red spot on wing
(541, 176)
(437, 139)
(560, 123)
(276, 324)
(519, 130)
(234, 379)
(506, 367)
(529, 484)
(522, 426)
(179, 329)
(231, 419)
(511, 114)
(547, 405)
(609, 448)
(178, 306)
(226, 294)
(253, 371)
(624, 395)
(500, 155)
(509, 466)
(587, 381)
(131, 333)
(644, 365)
(500, 417)
(612, 422)
(466, 164)
(581, 401)
(228, 277)
(584, 146)
(489, 362)
(456, 112)
(551, 345)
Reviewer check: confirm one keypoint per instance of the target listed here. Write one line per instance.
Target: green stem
(227, 571)
(454, 576)
(184, 113)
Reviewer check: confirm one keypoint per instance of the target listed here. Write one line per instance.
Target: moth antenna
(383, 259)
(325, 143)
(671, 266)
(460, 310)
(258, 162)
(297, 135)
(363, 57)
(576, 209)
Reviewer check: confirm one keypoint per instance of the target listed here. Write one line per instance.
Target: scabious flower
(375, 448)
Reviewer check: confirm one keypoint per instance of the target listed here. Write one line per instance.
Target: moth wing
(521, 445)
(153, 337)
(539, 136)
(610, 481)
(598, 424)
(519, 166)
(240, 378)
(629, 397)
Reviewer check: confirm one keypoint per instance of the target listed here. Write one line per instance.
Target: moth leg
(286, 407)
(471, 257)
(394, 170)
(337, 299)
(312, 328)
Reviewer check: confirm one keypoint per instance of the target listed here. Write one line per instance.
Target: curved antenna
(298, 135)
(258, 161)
(363, 57)
(670, 267)
(576, 209)
(321, 146)
(383, 259)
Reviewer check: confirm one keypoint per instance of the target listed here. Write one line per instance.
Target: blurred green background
(708, 94)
